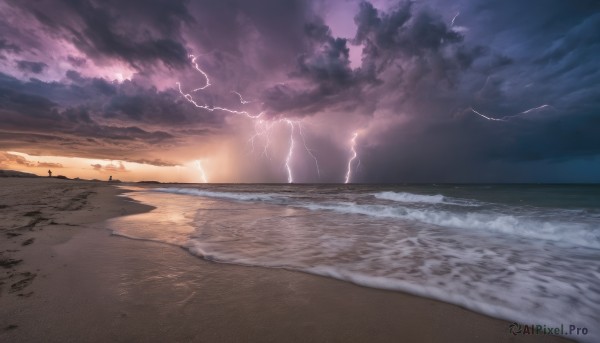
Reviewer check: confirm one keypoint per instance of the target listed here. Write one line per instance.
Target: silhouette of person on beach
(110, 178)
(49, 173)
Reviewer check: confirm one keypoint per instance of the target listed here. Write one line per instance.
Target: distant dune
(14, 173)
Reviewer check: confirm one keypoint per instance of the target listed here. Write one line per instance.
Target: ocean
(524, 253)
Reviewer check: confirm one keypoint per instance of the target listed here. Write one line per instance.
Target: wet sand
(65, 278)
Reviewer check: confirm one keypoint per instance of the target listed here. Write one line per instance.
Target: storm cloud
(135, 31)
(474, 90)
(49, 117)
(31, 67)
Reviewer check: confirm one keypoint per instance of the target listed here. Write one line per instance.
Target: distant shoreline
(14, 173)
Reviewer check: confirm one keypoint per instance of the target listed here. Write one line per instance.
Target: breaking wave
(579, 234)
(410, 197)
(222, 195)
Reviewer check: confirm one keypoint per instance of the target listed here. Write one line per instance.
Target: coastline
(79, 283)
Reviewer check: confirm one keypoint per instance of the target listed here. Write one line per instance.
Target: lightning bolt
(511, 116)
(309, 151)
(201, 72)
(457, 28)
(352, 157)
(290, 152)
(257, 133)
(190, 99)
(453, 19)
(242, 101)
(484, 116)
(202, 173)
(535, 109)
(261, 127)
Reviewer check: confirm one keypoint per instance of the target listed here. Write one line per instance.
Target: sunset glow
(84, 168)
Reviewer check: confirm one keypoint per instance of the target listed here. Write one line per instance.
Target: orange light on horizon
(89, 168)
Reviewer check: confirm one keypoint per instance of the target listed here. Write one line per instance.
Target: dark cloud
(276, 25)
(135, 103)
(247, 44)
(505, 63)
(138, 32)
(76, 61)
(31, 67)
(416, 37)
(419, 68)
(74, 76)
(95, 118)
(471, 149)
(7, 46)
(329, 64)
(128, 101)
(326, 78)
(406, 44)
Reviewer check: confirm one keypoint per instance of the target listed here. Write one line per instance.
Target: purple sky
(436, 91)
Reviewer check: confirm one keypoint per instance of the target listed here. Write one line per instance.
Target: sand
(65, 278)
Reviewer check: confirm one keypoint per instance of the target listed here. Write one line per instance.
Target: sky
(302, 91)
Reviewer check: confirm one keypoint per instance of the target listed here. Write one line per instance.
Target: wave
(405, 197)
(222, 195)
(579, 234)
(276, 197)
(549, 229)
(510, 279)
(410, 197)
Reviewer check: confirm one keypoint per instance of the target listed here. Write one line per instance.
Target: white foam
(410, 197)
(495, 281)
(396, 247)
(405, 197)
(574, 233)
(222, 195)
(546, 315)
(579, 234)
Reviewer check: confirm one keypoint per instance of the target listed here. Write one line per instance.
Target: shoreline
(89, 286)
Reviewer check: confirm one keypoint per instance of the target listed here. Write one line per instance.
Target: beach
(67, 278)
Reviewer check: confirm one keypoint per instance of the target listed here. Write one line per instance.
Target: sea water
(524, 253)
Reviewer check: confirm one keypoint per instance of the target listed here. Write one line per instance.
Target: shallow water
(529, 254)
